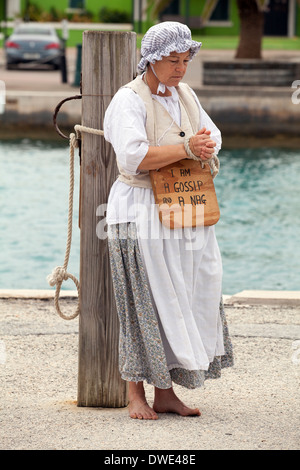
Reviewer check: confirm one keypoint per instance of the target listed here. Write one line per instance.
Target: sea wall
(269, 111)
(30, 113)
(254, 112)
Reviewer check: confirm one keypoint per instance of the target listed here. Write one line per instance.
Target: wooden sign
(185, 194)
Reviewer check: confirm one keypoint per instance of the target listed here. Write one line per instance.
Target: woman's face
(171, 70)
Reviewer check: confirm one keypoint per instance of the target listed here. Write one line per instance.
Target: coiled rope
(60, 273)
(213, 162)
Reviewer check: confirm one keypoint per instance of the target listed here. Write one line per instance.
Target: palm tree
(251, 13)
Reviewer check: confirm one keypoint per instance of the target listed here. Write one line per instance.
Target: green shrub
(32, 12)
(107, 15)
(36, 13)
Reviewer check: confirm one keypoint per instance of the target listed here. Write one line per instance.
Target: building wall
(91, 5)
(13, 8)
(214, 28)
(193, 10)
(142, 20)
(231, 27)
(297, 27)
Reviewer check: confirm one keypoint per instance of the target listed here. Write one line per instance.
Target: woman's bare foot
(138, 406)
(167, 402)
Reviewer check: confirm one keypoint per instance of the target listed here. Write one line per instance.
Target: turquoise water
(34, 190)
(258, 233)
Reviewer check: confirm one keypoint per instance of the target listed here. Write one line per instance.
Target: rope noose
(60, 273)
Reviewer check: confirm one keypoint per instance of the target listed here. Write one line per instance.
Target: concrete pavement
(254, 406)
(241, 112)
(51, 80)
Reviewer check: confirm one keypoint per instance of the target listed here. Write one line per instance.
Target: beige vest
(160, 128)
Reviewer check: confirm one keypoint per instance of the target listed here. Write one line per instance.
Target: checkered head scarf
(162, 39)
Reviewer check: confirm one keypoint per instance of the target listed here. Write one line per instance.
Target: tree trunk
(251, 30)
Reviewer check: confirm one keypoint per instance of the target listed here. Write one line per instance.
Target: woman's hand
(157, 157)
(202, 145)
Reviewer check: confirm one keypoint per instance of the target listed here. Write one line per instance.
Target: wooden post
(108, 62)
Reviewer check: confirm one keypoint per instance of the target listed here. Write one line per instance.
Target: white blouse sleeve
(205, 121)
(124, 127)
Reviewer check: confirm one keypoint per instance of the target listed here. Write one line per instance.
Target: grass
(282, 44)
(218, 42)
(210, 42)
(231, 42)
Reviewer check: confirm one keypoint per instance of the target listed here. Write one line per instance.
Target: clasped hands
(202, 145)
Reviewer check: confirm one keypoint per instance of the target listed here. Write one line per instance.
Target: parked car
(34, 43)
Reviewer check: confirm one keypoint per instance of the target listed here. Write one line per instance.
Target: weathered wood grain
(108, 62)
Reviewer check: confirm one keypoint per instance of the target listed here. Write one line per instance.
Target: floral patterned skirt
(141, 350)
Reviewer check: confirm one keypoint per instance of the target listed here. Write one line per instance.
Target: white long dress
(183, 266)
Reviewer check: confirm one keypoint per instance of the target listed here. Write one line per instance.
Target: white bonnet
(162, 39)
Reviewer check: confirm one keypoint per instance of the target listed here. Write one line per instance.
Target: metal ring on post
(56, 111)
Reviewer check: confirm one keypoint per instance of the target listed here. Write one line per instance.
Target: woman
(167, 287)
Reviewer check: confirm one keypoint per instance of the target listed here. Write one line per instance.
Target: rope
(213, 162)
(60, 273)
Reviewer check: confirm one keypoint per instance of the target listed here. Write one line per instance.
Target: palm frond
(157, 6)
(208, 8)
(262, 5)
